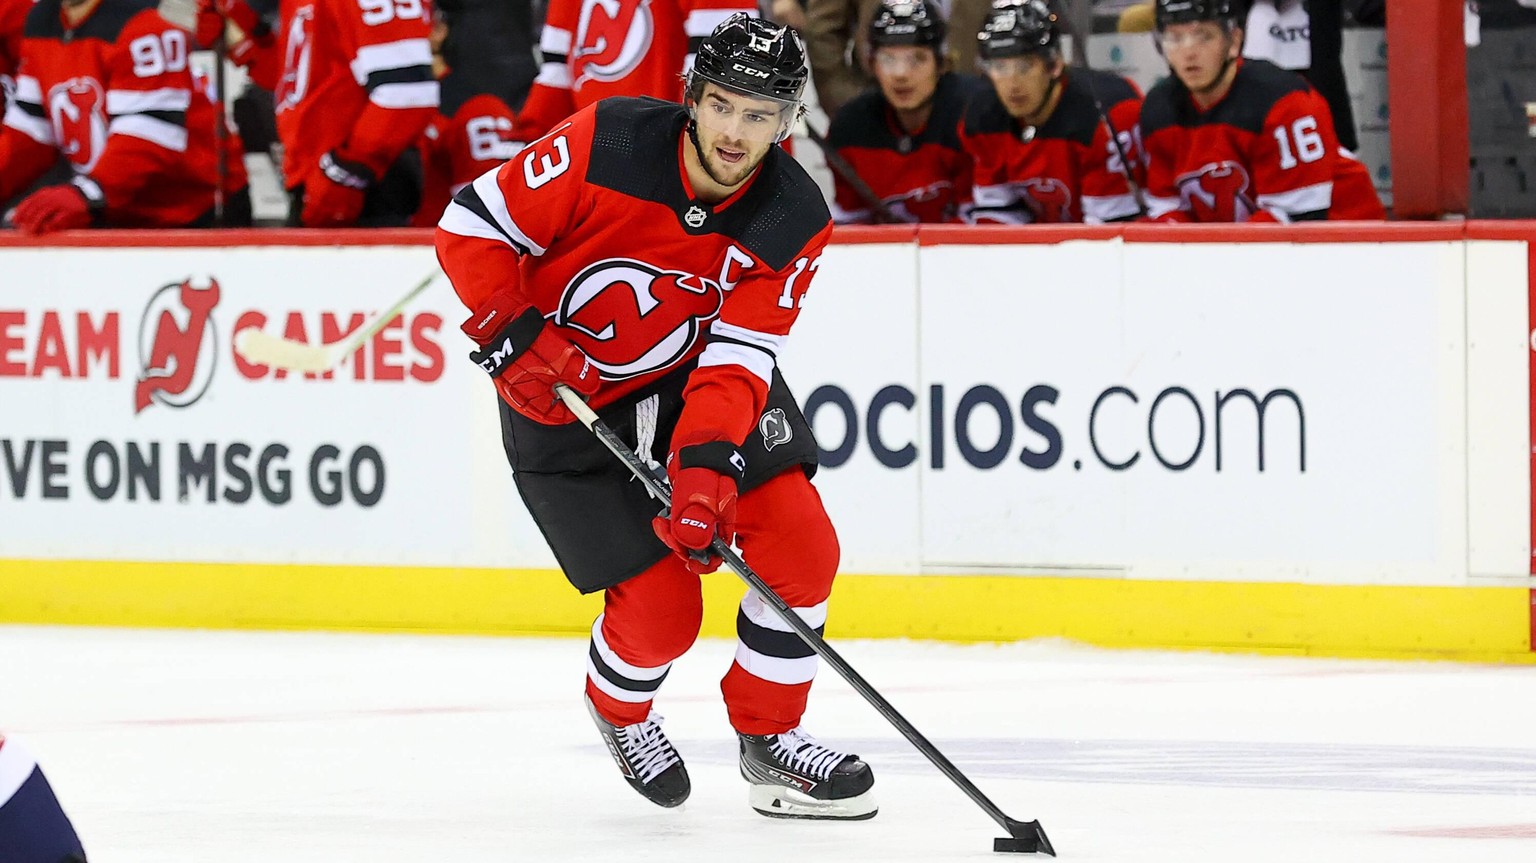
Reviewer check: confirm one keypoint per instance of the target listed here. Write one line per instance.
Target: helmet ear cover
(754, 58)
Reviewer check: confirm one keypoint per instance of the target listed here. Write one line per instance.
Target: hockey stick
(1025, 837)
(840, 166)
(259, 347)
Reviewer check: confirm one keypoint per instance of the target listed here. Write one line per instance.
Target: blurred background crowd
(334, 113)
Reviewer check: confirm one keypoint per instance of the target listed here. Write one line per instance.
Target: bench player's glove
(705, 478)
(525, 357)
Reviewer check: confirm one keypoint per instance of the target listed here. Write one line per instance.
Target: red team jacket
(1266, 152)
(117, 98)
(1069, 170)
(598, 48)
(455, 150)
(356, 77)
(923, 177)
(596, 226)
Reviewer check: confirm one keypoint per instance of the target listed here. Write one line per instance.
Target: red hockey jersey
(455, 150)
(1354, 195)
(356, 79)
(598, 48)
(1068, 169)
(13, 14)
(919, 177)
(596, 226)
(1266, 151)
(116, 96)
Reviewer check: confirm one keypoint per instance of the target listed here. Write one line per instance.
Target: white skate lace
(646, 749)
(803, 754)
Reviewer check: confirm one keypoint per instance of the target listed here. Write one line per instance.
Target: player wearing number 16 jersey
(653, 257)
(1234, 140)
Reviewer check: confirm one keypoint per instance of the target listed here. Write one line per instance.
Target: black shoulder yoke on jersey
(865, 121)
(1258, 85)
(1076, 117)
(45, 21)
(635, 153)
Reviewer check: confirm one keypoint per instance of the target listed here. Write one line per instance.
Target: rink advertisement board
(1084, 417)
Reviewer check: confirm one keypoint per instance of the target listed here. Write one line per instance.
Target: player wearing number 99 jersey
(107, 85)
(653, 257)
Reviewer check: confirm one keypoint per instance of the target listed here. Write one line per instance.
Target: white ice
(170, 746)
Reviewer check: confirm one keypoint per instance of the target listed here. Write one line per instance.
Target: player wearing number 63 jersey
(1234, 140)
(653, 257)
(106, 84)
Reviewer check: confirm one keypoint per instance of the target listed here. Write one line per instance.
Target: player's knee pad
(654, 617)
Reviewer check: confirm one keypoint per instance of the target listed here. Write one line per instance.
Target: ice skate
(646, 758)
(793, 776)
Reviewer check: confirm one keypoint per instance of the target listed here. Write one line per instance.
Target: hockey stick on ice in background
(1026, 837)
(296, 356)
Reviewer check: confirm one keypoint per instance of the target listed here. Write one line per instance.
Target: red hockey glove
(333, 192)
(211, 15)
(704, 481)
(59, 208)
(525, 357)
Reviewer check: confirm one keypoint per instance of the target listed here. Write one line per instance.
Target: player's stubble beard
(750, 164)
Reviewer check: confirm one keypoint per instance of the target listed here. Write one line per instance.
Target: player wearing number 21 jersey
(653, 256)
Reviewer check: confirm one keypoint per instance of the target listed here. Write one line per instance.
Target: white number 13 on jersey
(804, 265)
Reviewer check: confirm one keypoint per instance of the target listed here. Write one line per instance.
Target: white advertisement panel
(1225, 411)
(130, 428)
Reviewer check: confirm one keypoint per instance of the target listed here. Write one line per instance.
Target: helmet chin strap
(1044, 100)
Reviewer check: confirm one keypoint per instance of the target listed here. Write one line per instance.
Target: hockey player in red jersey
(594, 49)
(472, 132)
(654, 256)
(107, 84)
(1043, 148)
(354, 89)
(900, 137)
(1235, 140)
(33, 827)
(13, 14)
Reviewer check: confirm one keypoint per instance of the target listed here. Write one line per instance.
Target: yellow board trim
(1466, 623)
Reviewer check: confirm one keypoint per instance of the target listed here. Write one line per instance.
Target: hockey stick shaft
(259, 347)
(1028, 832)
(840, 166)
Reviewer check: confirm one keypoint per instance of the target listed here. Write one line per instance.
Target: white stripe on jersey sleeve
(753, 360)
(555, 40)
(390, 55)
(767, 342)
(1001, 195)
(1157, 207)
(496, 203)
(459, 219)
(34, 122)
(1307, 199)
(406, 94)
(1098, 209)
(556, 75)
(156, 131)
(138, 101)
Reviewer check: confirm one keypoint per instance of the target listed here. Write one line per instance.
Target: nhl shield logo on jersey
(774, 429)
(695, 216)
(1218, 192)
(632, 318)
(78, 108)
(612, 37)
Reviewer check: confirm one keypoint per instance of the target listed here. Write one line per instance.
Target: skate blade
(777, 801)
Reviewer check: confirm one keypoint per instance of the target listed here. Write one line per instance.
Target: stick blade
(269, 350)
(1028, 837)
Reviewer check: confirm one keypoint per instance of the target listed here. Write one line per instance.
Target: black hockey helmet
(1015, 28)
(908, 22)
(1190, 11)
(751, 56)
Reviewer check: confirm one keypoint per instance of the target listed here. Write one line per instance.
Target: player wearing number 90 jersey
(107, 85)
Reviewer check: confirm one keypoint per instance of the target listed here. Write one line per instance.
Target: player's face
(907, 74)
(735, 132)
(1023, 83)
(1198, 52)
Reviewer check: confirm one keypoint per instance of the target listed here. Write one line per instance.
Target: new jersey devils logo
(612, 36)
(632, 318)
(78, 110)
(296, 54)
(177, 358)
(1048, 198)
(1218, 192)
